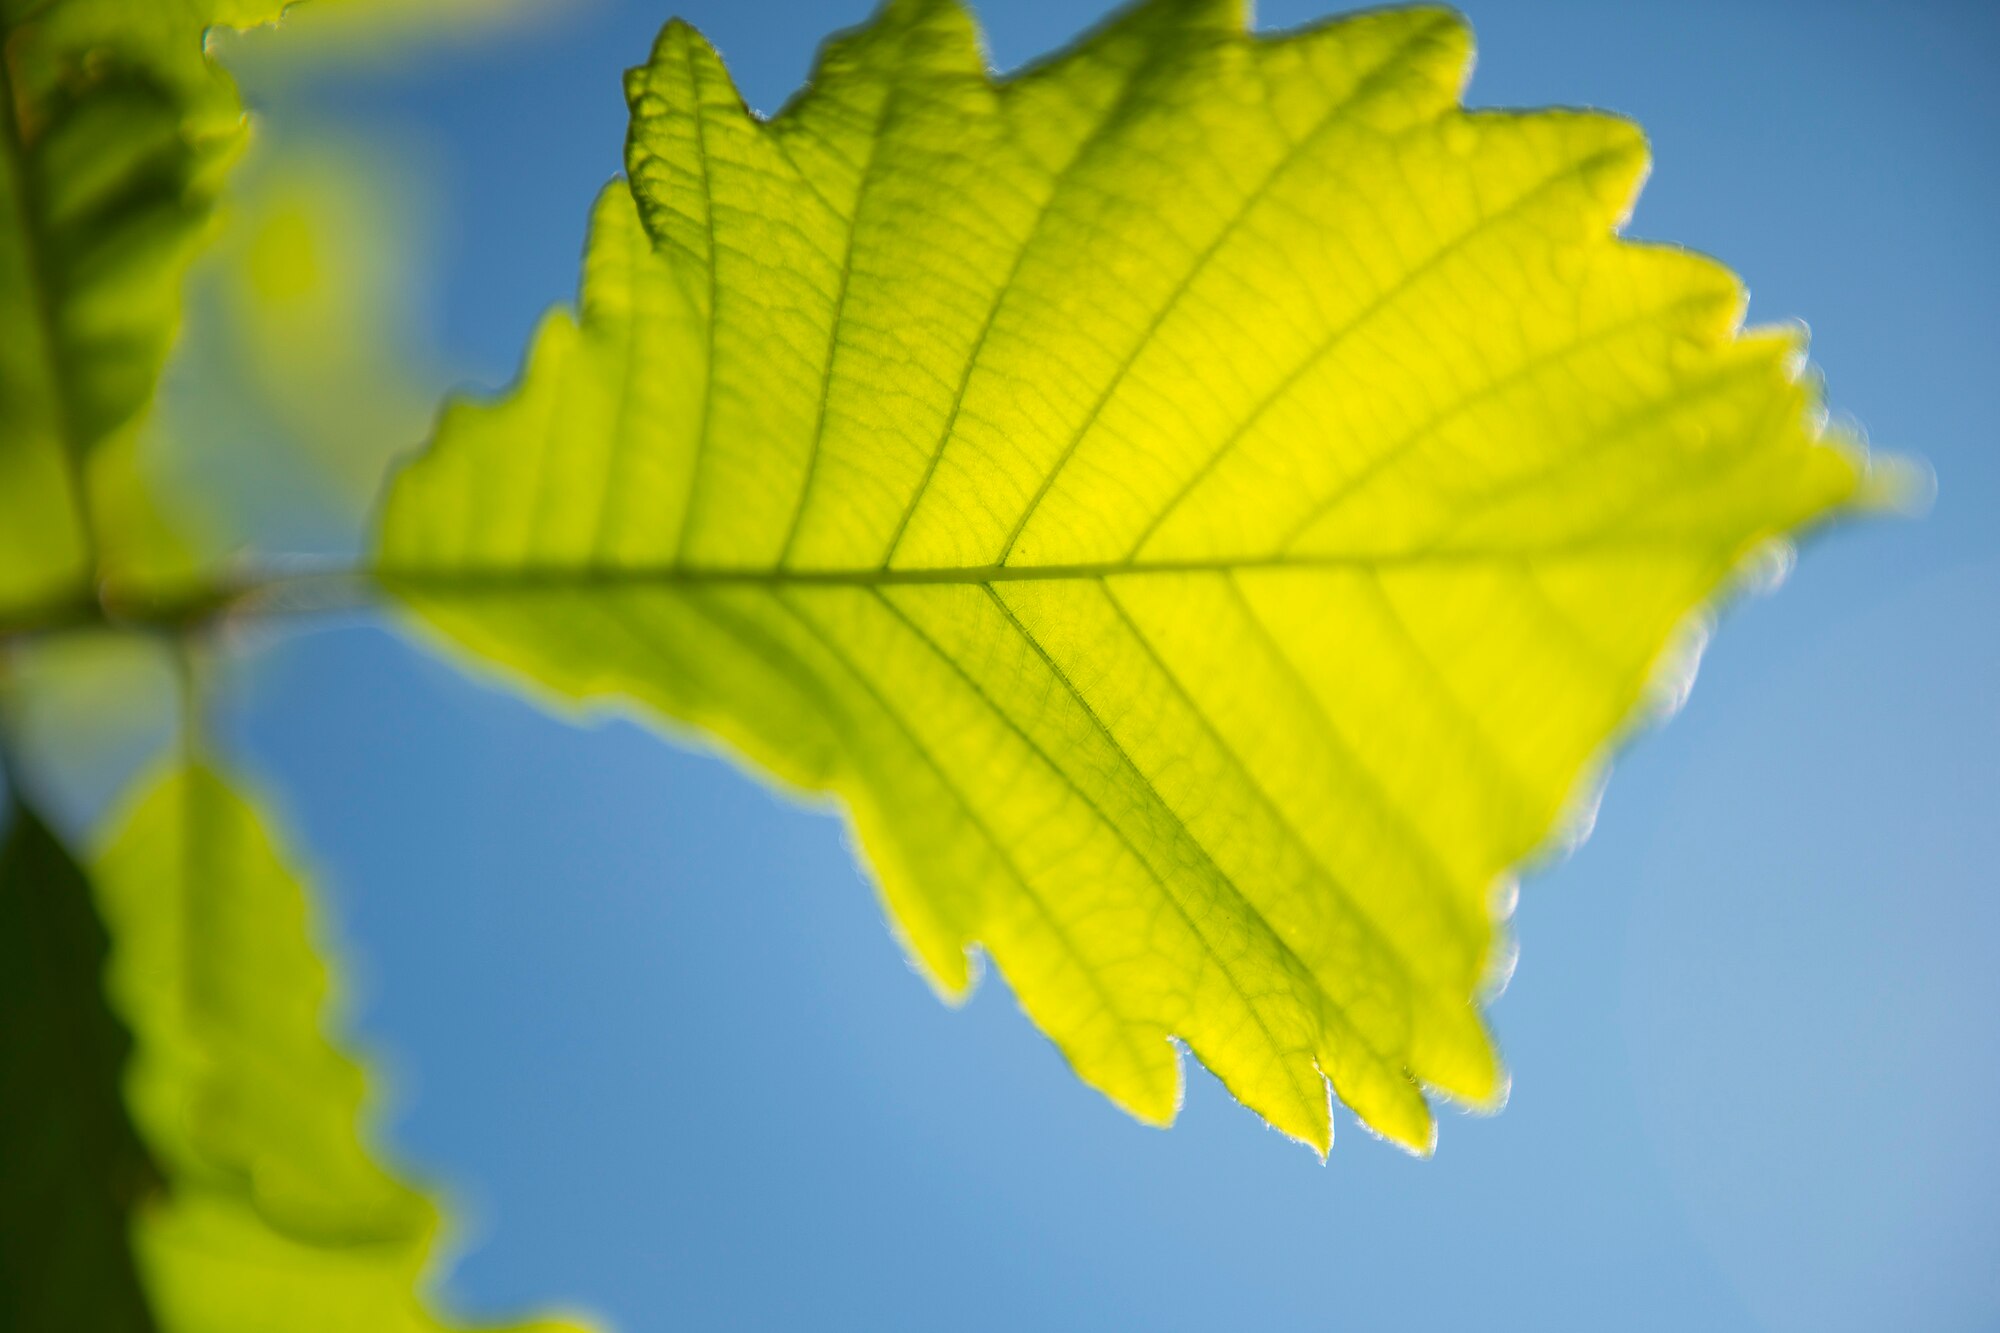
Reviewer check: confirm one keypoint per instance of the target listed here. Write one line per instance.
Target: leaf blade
(276, 1212)
(1203, 505)
(78, 1170)
(115, 133)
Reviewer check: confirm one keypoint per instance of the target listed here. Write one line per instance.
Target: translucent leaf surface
(276, 1215)
(1203, 504)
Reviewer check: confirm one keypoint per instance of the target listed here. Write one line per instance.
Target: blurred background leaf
(116, 134)
(76, 1169)
(303, 370)
(277, 1213)
(307, 360)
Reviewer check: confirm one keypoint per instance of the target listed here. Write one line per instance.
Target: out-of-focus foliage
(299, 376)
(118, 131)
(217, 1180)
(336, 32)
(76, 1169)
(313, 284)
(274, 1213)
(1204, 504)
(87, 713)
(115, 133)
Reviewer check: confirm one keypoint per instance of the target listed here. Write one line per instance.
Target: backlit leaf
(275, 1213)
(1204, 504)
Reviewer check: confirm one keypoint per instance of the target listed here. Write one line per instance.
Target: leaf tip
(683, 60)
(1902, 485)
(1416, 1135)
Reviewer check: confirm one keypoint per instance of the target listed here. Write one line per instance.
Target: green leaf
(1203, 504)
(115, 132)
(75, 1167)
(276, 1213)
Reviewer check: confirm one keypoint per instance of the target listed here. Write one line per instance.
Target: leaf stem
(182, 609)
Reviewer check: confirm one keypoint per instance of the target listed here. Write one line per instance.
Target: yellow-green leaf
(115, 131)
(1203, 504)
(275, 1213)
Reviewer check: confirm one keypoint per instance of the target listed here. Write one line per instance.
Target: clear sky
(647, 1025)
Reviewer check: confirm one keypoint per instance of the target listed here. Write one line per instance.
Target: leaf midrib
(504, 578)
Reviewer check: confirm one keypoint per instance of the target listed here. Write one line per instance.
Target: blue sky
(646, 1024)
